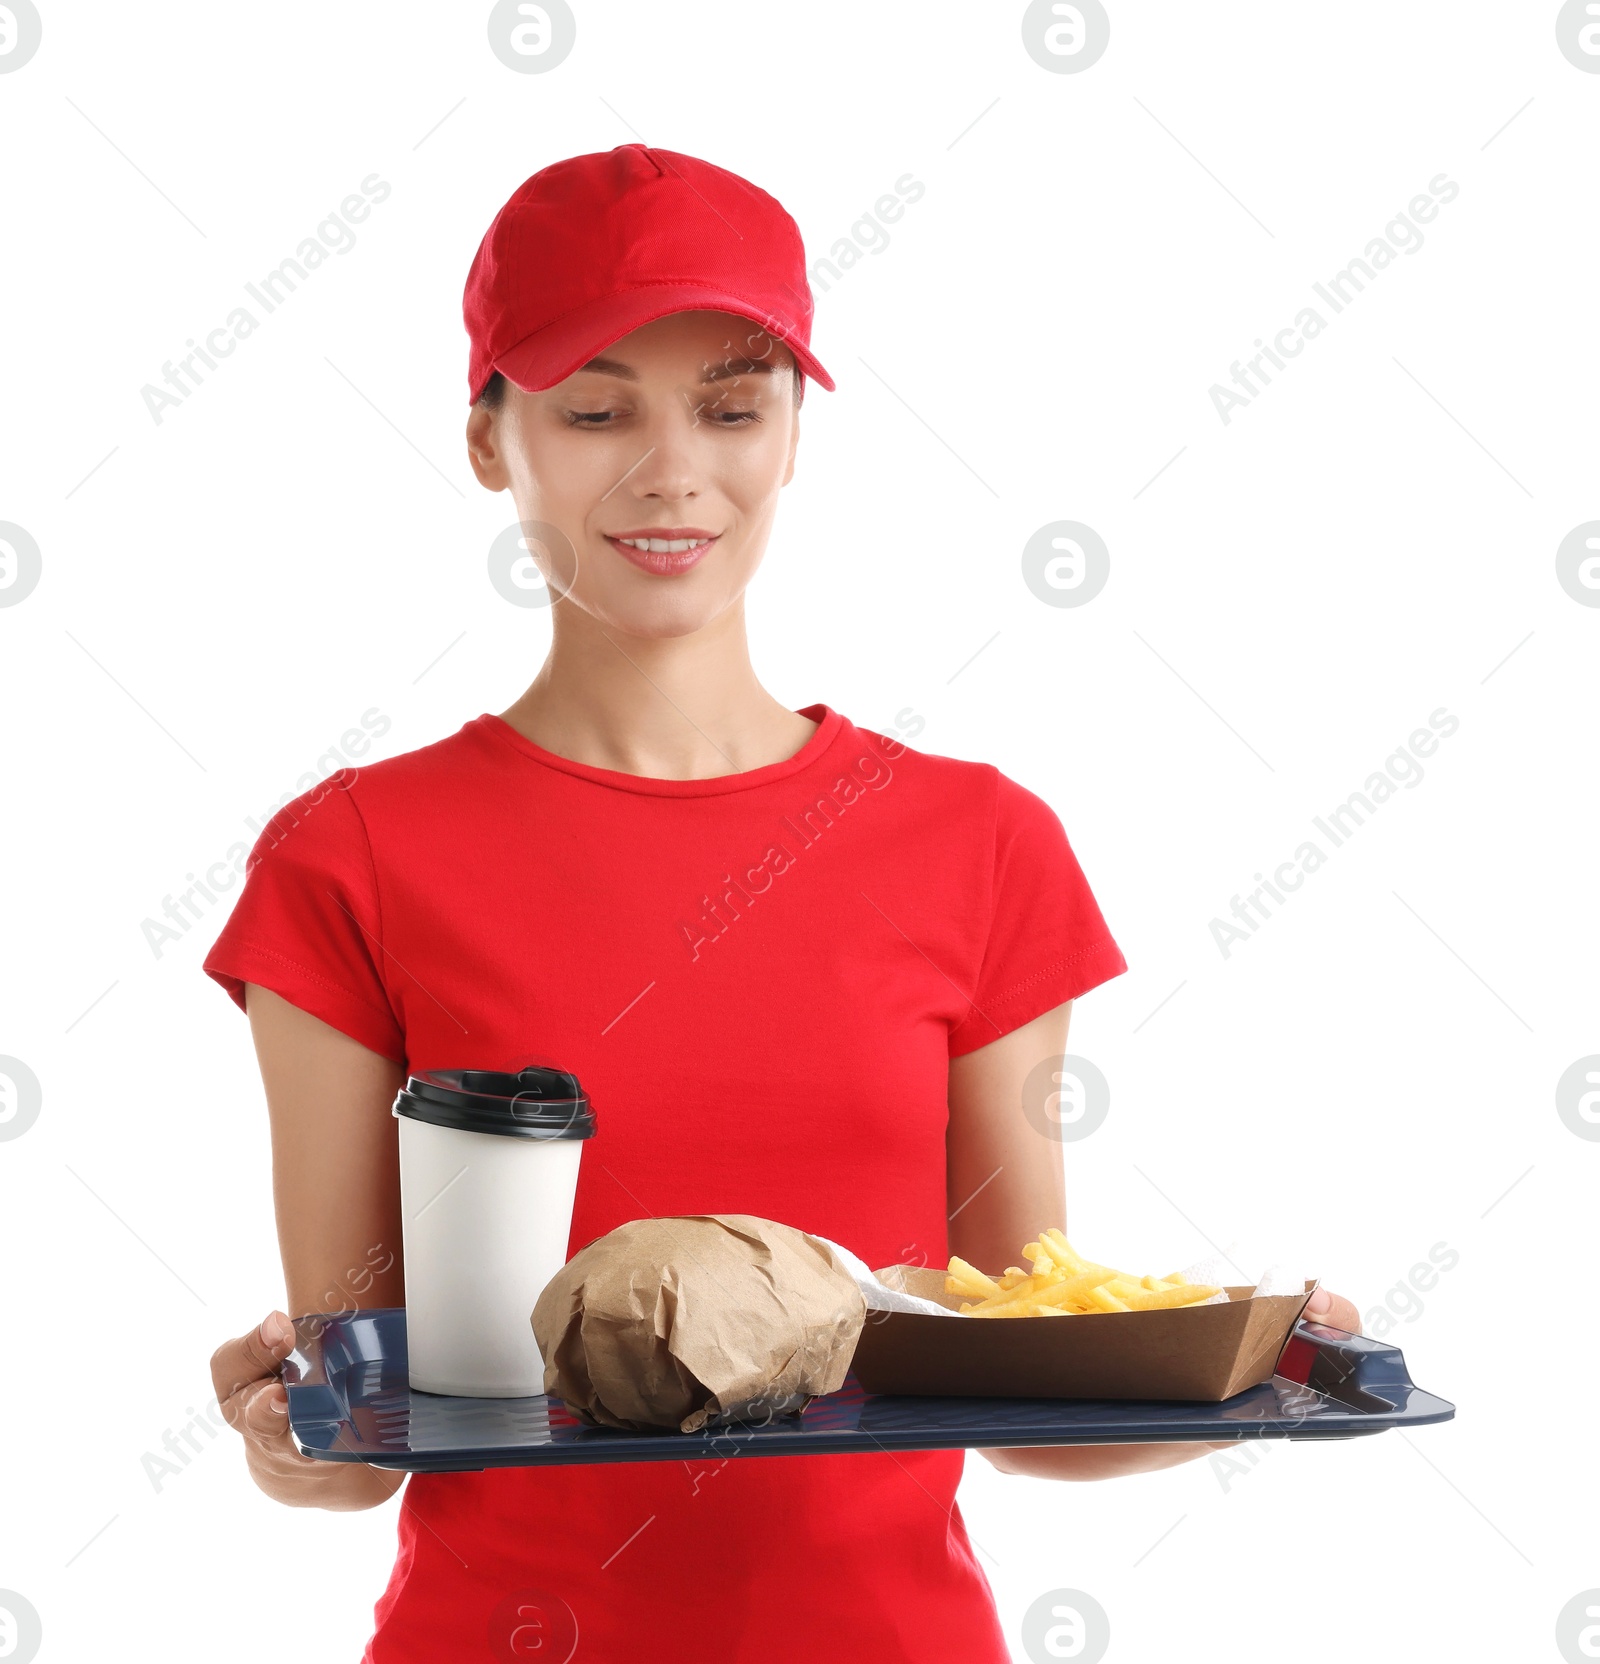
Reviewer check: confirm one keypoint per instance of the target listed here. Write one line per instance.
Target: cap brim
(553, 353)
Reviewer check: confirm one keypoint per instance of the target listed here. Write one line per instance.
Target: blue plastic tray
(349, 1401)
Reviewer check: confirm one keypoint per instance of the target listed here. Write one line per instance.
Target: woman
(802, 970)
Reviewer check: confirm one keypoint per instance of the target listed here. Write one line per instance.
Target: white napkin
(1281, 1279)
(1277, 1278)
(1215, 1271)
(878, 1297)
(1221, 1268)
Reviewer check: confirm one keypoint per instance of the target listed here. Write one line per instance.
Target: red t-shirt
(760, 980)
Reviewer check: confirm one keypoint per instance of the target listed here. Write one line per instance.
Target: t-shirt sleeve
(308, 924)
(1047, 942)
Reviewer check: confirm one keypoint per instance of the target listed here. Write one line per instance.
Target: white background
(1372, 1073)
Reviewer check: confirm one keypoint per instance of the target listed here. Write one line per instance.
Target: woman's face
(684, 430)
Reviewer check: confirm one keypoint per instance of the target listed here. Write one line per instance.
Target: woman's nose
(674, 462)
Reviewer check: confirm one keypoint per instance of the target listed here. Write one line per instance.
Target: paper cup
(488, 1171)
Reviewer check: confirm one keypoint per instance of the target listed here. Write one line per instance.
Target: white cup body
(486, 1220)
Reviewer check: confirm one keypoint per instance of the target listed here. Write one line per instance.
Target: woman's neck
(671, 708)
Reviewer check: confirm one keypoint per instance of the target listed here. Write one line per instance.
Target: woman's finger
(256, 1356)
(1324, 1306)
(261, 1414)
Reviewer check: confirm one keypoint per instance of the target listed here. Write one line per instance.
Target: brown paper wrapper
(697, 1320)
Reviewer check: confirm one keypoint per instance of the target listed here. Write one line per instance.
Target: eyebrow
(717, 372)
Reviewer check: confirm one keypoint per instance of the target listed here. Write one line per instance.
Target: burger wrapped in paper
(695, 1321)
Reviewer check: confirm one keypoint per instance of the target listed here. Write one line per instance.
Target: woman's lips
(664, 563)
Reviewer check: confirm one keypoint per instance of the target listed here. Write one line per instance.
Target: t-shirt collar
(829, 726)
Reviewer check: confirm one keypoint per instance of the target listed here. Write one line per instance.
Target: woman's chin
(661, 618)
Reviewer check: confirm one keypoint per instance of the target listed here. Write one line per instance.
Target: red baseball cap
(594, 246)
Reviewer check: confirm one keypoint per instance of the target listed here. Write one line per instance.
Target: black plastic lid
(533, 1103)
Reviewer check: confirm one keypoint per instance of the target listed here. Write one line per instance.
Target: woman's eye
(716, 418)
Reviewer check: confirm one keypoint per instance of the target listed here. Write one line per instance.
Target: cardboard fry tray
(1197, 1354)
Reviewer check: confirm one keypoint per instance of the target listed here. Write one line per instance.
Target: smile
(664, 556)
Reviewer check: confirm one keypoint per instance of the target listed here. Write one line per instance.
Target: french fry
(1021, 1306)
(1072, 1259)
(1018, 1294)
(1052, 1252)
(967, 1279)
(1062, 1283)
(1107, 1301)
(1075, 1288)
(1163, 1299)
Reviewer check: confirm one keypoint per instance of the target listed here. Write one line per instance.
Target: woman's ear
(483, 451)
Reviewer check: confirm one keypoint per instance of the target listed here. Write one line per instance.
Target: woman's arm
(336, 1190)
(1005, 1184)
(1004, 1178)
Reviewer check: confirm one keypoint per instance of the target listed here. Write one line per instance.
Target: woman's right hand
(247, 1375)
